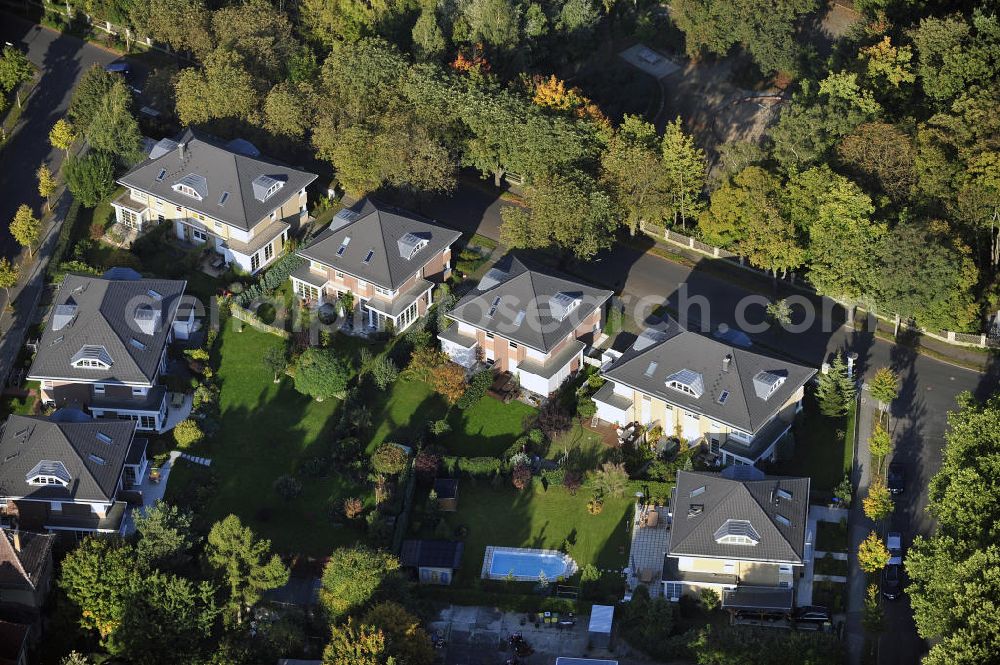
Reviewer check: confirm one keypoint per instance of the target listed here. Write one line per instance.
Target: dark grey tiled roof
(105, 316)
(431, 553)
(765, 503)
(667, 350)
(379, 230)
(217, 170)
(528, 303)
(94, 465)
(23, 569)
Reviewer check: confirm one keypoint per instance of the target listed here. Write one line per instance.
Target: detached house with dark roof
(67, 475)
(738, 402)
(224, 195)
(389, 259)
(105, 345)
(25, 571)
(739, 532)
(533, 324)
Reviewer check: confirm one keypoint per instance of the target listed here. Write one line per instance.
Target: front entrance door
(647, 410)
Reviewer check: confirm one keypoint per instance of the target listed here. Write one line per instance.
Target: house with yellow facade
(221, 195)
(736, 402)
(740, 533)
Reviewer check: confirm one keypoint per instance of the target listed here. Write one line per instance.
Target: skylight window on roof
(103, 438)
(137, 344)
(784, 494)
(57, 340)
(223, 199)
(63, 316)
(650, 368)
(687, 381)
(493, 307)
(97, 459)
(161, 175)
(737, 532)
(369, 256)
(519, 319)
(784, 521)
(343, 245)
(697, 491)
(155, 295)
(723, 396)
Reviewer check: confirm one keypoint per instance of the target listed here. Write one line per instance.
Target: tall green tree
(884, 387)
(26, 228)
(356, 644)
(881, 155)
(321, 373)
(955, 573)
(222, 89)
(429, 42)
(686, 170)
(245, 563)
(569, 212)
(633, 168)
(405, 638)
(926, 274)
(62, 135)
(90, 178)
(14, 70)
(954, 53)
(97, 577)
(353, 576)
(112, 127)
(842, 243)
(88, 96)
(717, 25)
(163, 536)
(10, 274)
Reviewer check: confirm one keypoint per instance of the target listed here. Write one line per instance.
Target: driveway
(63, 59)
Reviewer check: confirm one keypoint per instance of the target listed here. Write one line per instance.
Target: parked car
(811, 614)
(896, 478)
(892, 582)
(118, 68)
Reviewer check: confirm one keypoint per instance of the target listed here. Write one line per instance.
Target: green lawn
(824, 447)
(488, 427)
(536, 518)
(266, 429)
(827, 565)
(582, 442)
(411, 405)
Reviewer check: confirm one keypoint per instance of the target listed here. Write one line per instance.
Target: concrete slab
(649, 61)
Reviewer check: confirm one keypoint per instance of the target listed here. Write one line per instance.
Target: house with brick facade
(531, 323)
(68, 474)
(222, 195)
(388, 259)
(104, 346)
(738, 402)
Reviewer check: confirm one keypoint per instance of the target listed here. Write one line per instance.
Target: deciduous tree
(884, 387)
(14, 70)
(91, 177)
(62, 136)
(163, 536)
(321, 373)
(46, 185)
(10, 274)
(26, 228)
(882, 155)
(356, 644)
(353, 576)
(405, 638)
(873, 555)
(954, 54)
(879, 443)
(222, 89)
(88, 96)
(685, 170)
(112, 128)
(878, 504)
(633, 168)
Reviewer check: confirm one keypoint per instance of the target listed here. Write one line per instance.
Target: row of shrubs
(270, 280)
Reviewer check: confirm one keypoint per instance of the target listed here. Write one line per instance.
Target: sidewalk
(27, 295)
(860, 527)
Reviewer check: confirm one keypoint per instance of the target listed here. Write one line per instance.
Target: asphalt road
(63, 59)
(929, 387)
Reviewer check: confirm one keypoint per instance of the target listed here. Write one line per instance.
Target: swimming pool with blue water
(527, 565)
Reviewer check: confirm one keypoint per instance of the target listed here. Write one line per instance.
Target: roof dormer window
(91, 356)
(765, 383)
(264, 187)
(688, 382)
(561, 304)
(193, 185)
(410, 244)
(737, 532)
(49, 472)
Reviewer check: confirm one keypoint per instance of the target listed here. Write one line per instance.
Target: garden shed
(446, 490)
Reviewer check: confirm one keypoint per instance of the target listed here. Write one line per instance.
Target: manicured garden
(535, 517)
(831, 536)
(267, 430)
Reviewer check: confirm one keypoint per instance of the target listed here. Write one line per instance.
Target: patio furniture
(652, 518)
(176, 400)
(154, 475)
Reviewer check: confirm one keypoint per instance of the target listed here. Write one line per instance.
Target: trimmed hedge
(62, 242)
(272, 278)
(474, 467)
(480, 383)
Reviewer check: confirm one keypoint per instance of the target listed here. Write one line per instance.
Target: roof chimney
(180, 150)
(16, 541)
(726, 362)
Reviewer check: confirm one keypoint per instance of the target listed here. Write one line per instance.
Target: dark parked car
(118, 68)
(892, 581)
(811, 614)
(896, 478)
